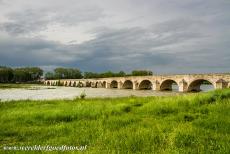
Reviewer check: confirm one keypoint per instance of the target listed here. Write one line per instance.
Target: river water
(54, 92)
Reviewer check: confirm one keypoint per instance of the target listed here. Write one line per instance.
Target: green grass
(15, 85)
(196, 123)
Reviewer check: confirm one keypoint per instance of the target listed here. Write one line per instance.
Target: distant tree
(6, 74)
(34, 72)
(60, 73)
(121, 74)
(21, 75)
(141, 73)
(88, 75)
(74, 73)
(25, 74)
(49, 76)
(67, 73)
(107, 74)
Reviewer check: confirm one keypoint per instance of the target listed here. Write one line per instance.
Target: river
(54, 92)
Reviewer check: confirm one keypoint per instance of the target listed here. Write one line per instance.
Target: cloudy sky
(165, 36)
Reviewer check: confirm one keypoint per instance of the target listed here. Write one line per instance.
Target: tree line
(23, 74)
(74, 73)
(34, 74)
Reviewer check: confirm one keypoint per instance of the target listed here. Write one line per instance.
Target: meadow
(193, 123)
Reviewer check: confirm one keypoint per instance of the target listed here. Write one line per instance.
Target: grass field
(194, 123)
(14, 85)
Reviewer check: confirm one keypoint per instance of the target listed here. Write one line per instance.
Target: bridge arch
(169, 85)
(61, 83)
(198, 85)
(145, 85)
(114, 84)
(104, 84)
(88, 84)
(128, 84)
(97, 84)
(65, 83)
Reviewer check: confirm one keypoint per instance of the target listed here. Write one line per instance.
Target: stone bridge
(185, 83)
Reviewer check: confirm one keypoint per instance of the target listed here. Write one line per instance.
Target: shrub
(82, 95)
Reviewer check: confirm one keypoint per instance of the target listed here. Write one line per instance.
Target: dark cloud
(189, 37)
(123, 49)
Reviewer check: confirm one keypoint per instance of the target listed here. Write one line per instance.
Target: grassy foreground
(196, 123)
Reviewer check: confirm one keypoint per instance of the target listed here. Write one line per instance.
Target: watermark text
(45, 148)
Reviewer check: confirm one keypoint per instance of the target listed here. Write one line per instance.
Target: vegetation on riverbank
(19, 85)
(195, 123)
(35, 74)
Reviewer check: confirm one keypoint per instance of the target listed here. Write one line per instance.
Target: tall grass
(196, 123)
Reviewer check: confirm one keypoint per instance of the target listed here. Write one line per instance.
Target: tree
(141, 73)
(121, 74)
(89, 75)
(21, 75)
(35, 72)
(67, 73)
(25, 74)
(49, 76)
(6, 74)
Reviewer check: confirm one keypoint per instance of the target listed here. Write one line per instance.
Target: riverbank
(196, 123)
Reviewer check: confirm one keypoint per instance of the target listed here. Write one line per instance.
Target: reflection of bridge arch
(114, 84)
(170, 85)
(128, 84)
(195, 85)
(145, 85)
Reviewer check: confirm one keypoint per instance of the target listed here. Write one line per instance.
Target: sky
(164, 36)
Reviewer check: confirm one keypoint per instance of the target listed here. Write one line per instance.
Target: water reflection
(175, 87)
(206, 87)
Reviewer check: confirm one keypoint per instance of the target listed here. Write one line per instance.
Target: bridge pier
(135, 85)
(119, 85)
(107, 85)
(183, 86)
(221, 84)
(156, 85)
